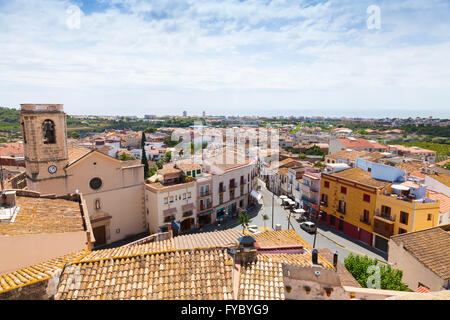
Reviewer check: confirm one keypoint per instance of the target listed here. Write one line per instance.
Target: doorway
(99, 235)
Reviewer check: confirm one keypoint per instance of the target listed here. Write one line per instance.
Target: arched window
(48, 129)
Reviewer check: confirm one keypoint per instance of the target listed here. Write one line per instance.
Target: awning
(283, 197)
(256, 195)
(299, 211)
(204, 213)
(170, 211)
(188, 207)
(400, 187)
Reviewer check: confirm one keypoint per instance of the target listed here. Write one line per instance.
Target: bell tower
(45, 147)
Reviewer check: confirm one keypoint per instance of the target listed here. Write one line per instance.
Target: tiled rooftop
(284, 238)
(39, 272)
(41, 215)
(76, 152)
(198, 274)
(261, 279)
(217, 239)
(361, 176)
(431, 247)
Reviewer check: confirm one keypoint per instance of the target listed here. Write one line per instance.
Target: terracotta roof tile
(431, 247)
(41, 215)
(190, 274)
(39, 272)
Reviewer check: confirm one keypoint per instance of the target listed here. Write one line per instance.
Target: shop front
(220, 214)
(204, 218)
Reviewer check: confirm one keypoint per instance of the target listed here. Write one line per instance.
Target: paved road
(326, 238)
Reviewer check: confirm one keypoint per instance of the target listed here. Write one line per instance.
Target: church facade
(113, 190)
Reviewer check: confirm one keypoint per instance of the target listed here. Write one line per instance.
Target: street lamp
(315, 233)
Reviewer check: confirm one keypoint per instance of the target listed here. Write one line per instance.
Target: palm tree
(265, 218)
(243, 220)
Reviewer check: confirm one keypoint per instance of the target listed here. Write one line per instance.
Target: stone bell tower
(45, 147)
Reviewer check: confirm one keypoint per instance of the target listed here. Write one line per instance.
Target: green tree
(359, 267)
(143, 140)
(124, 156)
(144, 161)
(168, 156)
(151, 172)
(265, 218)
(243, 220)
(159, 164)
(75, 134)
(150, 130)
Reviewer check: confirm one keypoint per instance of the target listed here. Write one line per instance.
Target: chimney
(246, 251)
(315, 254)
(335, 260)
(8, 199)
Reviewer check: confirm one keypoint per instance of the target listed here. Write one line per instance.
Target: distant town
(237, 194)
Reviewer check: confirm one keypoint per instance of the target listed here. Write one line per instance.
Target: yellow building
(371, 210)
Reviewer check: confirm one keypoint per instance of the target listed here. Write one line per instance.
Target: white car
(308, 226)
(254, 229)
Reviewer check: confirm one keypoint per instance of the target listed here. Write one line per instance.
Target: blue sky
(256, 57)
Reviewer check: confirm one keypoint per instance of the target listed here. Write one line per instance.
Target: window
(98, 205)
(169, 219)
(166, 200)
(207, 189)
(366, 198)
(327, 184)
(188, 173)
(344, 190)
(341, 207)
(324, 199)
(366, 215)
(48, 131)
(429, 217)
(171, 199)
(95, 183)
(403, 217)
(199, 171)
(189, 195)
(184, 196)
(202, 191)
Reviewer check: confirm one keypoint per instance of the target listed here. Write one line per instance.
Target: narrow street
(326, 238)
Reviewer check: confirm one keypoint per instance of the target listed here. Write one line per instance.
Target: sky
(376, 58)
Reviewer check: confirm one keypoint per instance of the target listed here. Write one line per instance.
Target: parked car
(254, 229)
(308, 226)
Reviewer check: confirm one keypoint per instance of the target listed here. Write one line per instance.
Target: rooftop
(442, 178)
(360, 176)
(42, 215)
(431, 247)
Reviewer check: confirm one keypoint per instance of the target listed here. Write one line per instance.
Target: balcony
(384, 216)
(244, 181)
(205, 194)
(324, 203)
(383, 227)
(204, 206)
(340, 210)
(232, 186)
(222, 190)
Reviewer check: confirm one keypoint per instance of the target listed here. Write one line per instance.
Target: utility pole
(273, 203)
(315, 233)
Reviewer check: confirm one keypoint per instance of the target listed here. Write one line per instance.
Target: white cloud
(211, 47)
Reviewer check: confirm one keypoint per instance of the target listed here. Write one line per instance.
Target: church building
(113, 189)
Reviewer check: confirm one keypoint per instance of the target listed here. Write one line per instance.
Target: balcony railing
(243, 181)
(383, 228)
(340, 210)
(324, 203)
(222, 190)
(205, 194)
(384, 215)
(232, 186)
